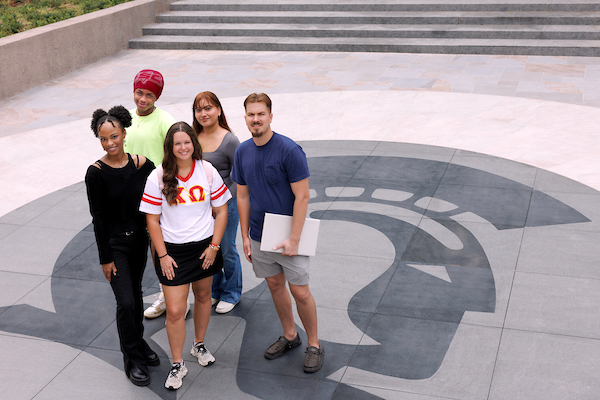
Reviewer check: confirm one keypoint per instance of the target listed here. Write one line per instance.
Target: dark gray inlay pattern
(409, 314)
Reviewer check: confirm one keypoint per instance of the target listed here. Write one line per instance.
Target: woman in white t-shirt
(180, 198)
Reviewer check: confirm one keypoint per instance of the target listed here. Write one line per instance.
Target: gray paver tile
(465, 360)
(7, 229)
(93, 369)
(18, 256)
(53, 307)
(26, 213)
(16, 382)
(586, 204)
(540, 366)
(555, 304)
(13, 286)
(547, 181)
(496, 168)
(564, 252)
(69, 212)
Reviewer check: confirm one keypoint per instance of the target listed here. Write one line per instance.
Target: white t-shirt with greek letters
(191, 219)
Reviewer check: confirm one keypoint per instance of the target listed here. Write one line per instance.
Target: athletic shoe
(204, 356)
(281, 346)
(175, 377)
(313, 361)
(213, 301)
(224, 307)
(157, 308)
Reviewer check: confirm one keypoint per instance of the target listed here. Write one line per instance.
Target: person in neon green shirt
(149, 125)
(146, 136)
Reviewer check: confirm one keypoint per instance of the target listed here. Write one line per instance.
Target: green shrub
(10, 24)
(19, 15)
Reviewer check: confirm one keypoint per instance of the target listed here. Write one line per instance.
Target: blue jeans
(227, 283)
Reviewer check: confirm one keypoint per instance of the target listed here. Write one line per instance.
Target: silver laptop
(277, 229)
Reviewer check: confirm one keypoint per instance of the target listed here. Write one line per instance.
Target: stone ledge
(33, 57)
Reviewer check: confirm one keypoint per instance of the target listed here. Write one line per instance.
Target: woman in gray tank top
(218, 147)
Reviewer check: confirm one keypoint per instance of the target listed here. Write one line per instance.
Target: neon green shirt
(146, 135)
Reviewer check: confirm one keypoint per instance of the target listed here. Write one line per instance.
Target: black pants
(130, 253)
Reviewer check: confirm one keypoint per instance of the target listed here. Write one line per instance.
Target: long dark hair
(169, 163)
(210, 98)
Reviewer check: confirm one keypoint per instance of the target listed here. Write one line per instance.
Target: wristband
(166, 254)
(214, 247)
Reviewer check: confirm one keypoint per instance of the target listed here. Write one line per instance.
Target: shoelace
(200, 348)
(175, 369)
(157, 301)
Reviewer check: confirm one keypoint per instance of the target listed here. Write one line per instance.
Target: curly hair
(118, 114)
(169, 163)
(213, 100)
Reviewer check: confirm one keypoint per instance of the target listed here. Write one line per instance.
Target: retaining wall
(36, 56)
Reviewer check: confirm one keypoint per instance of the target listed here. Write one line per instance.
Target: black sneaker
(314, 358)
(281, 346)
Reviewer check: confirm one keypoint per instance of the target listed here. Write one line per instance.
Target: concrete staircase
(526, 27)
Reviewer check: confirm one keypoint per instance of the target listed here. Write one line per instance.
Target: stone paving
(460, 216)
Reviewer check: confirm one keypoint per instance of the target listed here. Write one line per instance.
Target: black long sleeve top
(114, 196)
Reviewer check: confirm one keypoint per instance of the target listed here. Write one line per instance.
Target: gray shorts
(267, 264)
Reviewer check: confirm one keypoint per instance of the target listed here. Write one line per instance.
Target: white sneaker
(157, 308)
(204, 356)
(224, 307)
(175, 377)
(213, 301)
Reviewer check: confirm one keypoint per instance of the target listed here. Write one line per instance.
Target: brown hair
(258, 98)
(210, 98)
(169, 163)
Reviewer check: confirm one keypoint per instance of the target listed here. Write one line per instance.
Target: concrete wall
(30, 58)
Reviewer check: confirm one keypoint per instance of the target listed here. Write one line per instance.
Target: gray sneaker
(281, 346)
(313, 361)
(204, 356)
(175, 377)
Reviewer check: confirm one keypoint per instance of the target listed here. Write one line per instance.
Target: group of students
(182, 185)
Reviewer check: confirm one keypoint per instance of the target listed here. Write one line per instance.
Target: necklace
(142, 118)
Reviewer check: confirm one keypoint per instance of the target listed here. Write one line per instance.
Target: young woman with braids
(180, 198)
(115, 185)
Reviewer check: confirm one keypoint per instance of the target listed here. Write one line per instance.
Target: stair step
(528, 27)
(388, 5)
(556, 32)
(391, 17)
(392, 45)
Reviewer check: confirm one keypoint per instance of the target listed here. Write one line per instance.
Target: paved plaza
(460, 215)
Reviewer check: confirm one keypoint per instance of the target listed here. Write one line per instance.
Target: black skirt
(189, 264)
